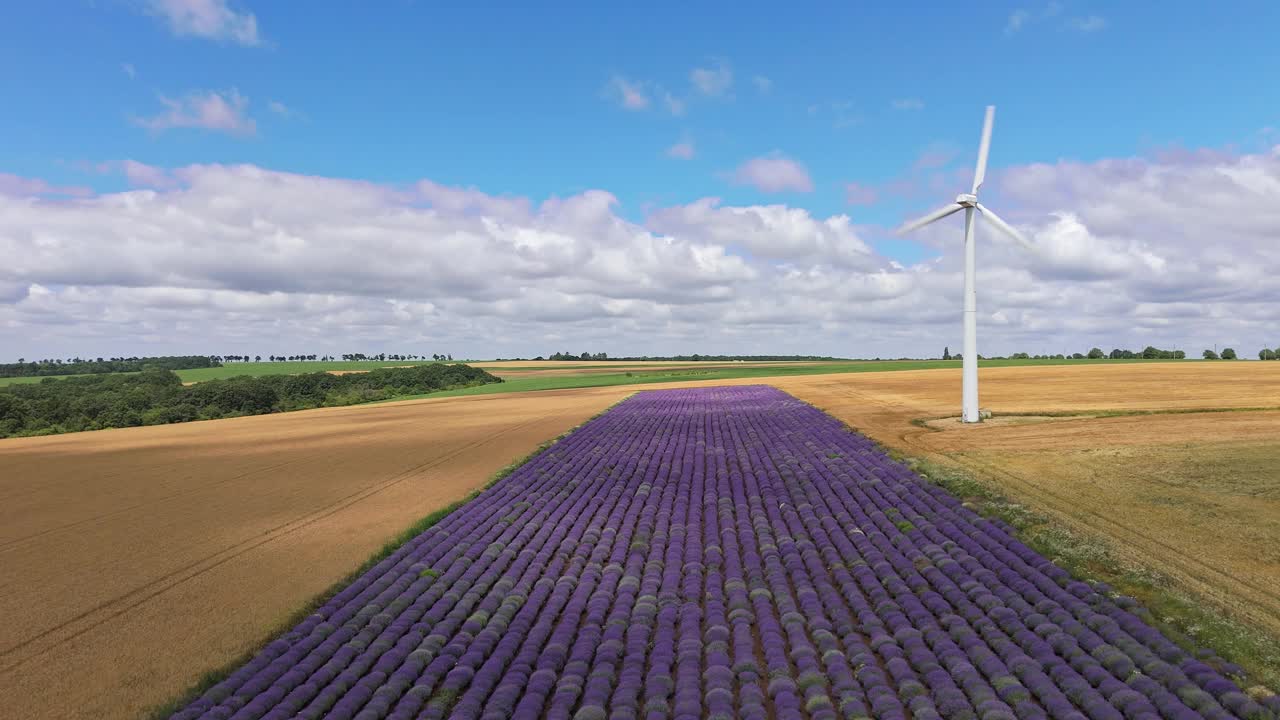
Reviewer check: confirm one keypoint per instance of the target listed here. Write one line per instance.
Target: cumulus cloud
(712, 81)
(683, 150)
(1090, 23)
(767, 231)
(1017, 19)
(908, 104)
(859, 194)
(674, 105)
(224, 111)
(143, 175)
(628, 94)
(212, 19)
(774, 173)
(1176, 250)
(17, 186)
(1051, 13)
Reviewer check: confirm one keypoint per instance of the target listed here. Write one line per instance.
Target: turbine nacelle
(967, 200)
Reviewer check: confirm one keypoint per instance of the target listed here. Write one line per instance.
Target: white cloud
(683, 150)
(17, 186)
(858, 194)
(935, 155)
(129, 69)
(224, 111)
(279, 108)
(908, 104)
(212, 19)
(771, 231)
(143, 175)
(712, 81)
(842, 113)
(1051, 12)
(1091, 23)
(762, 83)
(1176, 250)
(675, 105)
(774, 173)
(1017, 19)
(626, 93)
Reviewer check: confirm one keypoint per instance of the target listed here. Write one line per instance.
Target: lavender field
(722, 553)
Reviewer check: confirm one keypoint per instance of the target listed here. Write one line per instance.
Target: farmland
(572, 373)
(143, 557)
(720, 553)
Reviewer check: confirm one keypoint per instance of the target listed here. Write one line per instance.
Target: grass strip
(1092, 414)
(1191, 622)
(686, 374)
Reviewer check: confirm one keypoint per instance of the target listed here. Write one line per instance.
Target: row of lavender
(720, 553)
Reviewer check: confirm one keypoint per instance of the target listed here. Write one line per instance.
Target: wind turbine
(969, 203)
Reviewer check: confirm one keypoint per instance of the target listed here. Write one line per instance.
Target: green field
(235, 369)
(33, 379)
(684, 374)
(639, 374)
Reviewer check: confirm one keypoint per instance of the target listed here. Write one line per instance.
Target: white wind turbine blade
(934, 216)
(1006, 228)
(981, 173)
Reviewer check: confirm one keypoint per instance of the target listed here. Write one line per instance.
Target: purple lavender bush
(719, 553)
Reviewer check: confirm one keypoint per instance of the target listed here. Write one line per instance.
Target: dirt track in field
(132, 561)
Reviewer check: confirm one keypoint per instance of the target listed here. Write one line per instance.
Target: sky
(516, 179)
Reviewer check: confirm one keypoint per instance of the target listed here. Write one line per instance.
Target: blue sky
(865, 110)
(509, 97)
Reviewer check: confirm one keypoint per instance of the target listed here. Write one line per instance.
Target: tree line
(1148, 353)
(312, 357)
(604, 357)
(86, 366)
(157, 397)
(1230, 354)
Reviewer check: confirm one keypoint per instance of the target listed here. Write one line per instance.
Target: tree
(1096, 354)
(1228, 354)
(1266, 354)
(946, 353)
(1210, 355)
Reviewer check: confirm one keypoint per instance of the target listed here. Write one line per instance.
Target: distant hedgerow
(158, 397)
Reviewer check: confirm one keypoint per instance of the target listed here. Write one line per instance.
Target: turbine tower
(969, 203)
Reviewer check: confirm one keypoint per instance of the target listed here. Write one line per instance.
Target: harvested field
(1214, 533)
(97, 522)
(722, 553)
(131, 561)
